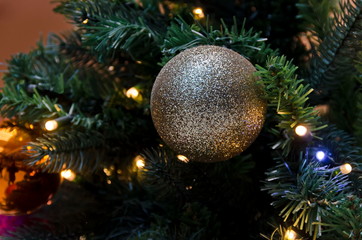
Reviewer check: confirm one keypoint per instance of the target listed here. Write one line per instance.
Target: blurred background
(23, 23)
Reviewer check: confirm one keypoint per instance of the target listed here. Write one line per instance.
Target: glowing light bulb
(51, 125)
(346, 168)
(68, 174)
(198, 13)
(132, 93)
(107, 172)
(301, 130)
(320, 155)
(140, 162)
(290, 235)
(182, 158)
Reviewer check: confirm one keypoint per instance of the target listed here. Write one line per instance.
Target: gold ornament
(206, 105)
(22, 189)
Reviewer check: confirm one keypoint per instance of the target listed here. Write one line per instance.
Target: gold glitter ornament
(206, 105)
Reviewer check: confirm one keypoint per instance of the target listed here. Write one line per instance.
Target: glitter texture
(206, 105)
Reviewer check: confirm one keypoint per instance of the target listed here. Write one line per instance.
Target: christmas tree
(186, 120)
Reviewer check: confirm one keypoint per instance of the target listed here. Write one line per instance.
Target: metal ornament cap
(206, 105)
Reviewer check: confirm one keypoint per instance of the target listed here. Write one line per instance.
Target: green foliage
(317, 16)
(342, 145)
(76, 150)
(344, 219)
(357, 125)
(27, 108)
(193, 224)
(110, 27)
(181, 36)
(305, 191)
(287, 97)
(338, 50)
(303, 196)
(222, 189)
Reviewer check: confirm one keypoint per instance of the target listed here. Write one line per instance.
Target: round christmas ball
(206, 105)
(22, 189)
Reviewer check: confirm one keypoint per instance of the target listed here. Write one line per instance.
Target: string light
(51, 125)
(68, 174)
(320, 155)
(140, 162)
(290, 235)
(132, 93)
(301, 130)
(182, 158)
(107, 172)
(346, 168)
(198, 13)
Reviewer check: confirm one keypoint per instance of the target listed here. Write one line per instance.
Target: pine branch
(15, 102)
(43, 67)
(357, 125)
(122, 68)
(76, 150)
(317, 17)
(344, 219)
(341, 145)
(110, 27)
(181, 36)
(339, 49)
(287, 97)
(305, 195)
(163, 175)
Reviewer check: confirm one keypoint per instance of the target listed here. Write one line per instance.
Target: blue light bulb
(320, 155)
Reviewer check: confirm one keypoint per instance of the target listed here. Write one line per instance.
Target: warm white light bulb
(68, 174)
(290, 235)
(182, 158)
(198, 13)
(51, 125)
(107, 172)
(132, 93)
(140, 162)
(301, 130)
(346, 168)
